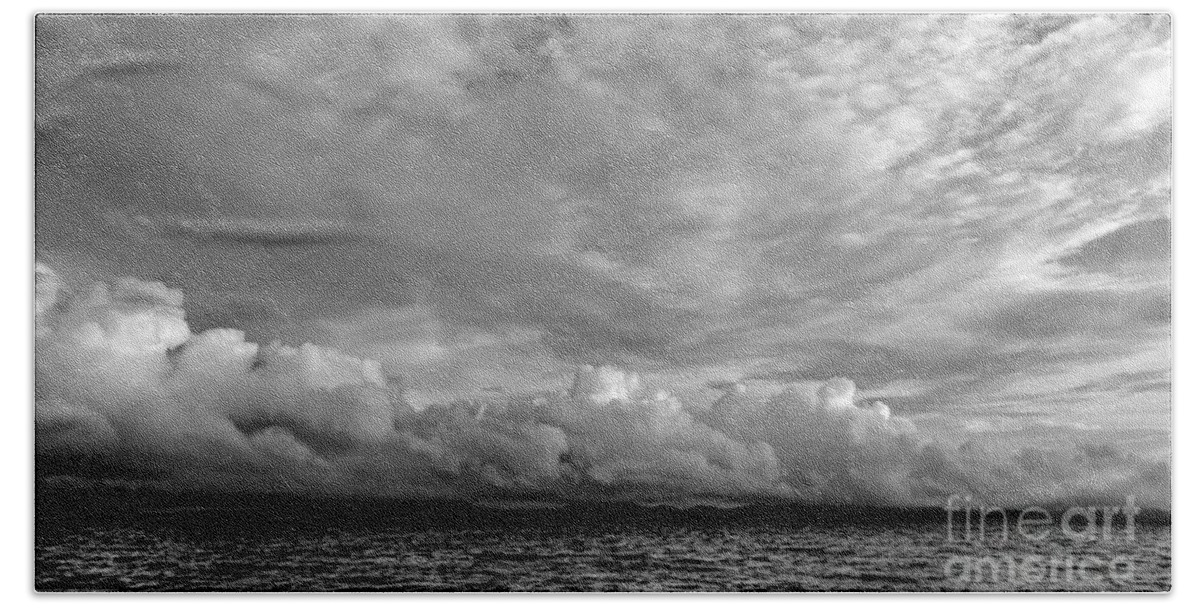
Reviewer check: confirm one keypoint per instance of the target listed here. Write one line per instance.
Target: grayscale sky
(967, 216)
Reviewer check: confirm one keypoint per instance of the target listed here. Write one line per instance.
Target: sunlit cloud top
(967, 215)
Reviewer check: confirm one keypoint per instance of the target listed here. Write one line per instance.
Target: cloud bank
(966, 215)
(127, 392)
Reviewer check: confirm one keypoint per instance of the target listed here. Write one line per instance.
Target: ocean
(150, 541)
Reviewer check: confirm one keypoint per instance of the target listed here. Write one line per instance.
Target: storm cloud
(127, 392)
(967, 216)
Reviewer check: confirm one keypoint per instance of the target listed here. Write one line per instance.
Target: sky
(870, 258)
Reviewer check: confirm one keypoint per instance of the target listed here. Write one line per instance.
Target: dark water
(278, 544)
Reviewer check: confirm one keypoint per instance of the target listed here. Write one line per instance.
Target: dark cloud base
(964, 214)
(128, 394)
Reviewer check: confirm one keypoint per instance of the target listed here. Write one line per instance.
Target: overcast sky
(968, 216)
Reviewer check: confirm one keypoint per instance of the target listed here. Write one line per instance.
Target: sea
(155, 541)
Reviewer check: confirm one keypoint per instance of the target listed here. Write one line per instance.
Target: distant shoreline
(60, 505)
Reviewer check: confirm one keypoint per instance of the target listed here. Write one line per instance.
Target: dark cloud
(876, 364)
(1047, 316)
(1143, 243)
(267, 233)
(1132, 382)
(127, 392)
(792, 197)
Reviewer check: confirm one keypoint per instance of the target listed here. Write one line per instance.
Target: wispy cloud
(973, 208)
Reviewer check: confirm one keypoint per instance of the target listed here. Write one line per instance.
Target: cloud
(626, 185)
(270, 233)
(1049, 315)
(966, 209)
(1140, 245)
(125, 390)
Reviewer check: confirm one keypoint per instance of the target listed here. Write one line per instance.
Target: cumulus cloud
(965, 214)
(126, 390)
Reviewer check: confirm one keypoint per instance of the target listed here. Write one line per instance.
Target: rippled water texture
(428, 547)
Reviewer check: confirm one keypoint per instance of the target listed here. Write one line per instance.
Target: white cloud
(480, 202)
(124, 386)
